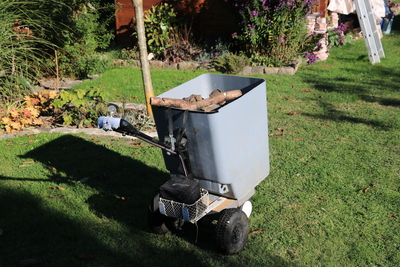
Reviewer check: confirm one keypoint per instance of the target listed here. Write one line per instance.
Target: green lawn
(332, 198)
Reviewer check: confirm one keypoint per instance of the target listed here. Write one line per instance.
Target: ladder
(369, 30)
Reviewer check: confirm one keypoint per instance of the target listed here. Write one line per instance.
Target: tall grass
(22, 50)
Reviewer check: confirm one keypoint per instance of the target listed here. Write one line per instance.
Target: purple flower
(311, 57)
(254, 13)
(234, 35)
(215, 54)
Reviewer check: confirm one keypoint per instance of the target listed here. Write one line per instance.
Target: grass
(332, 198)
(125, 84)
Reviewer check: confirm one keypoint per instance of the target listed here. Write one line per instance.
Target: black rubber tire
(160, 224)
(232, 231)
(155, 220)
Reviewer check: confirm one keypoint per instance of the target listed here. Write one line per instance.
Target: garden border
(206, 65)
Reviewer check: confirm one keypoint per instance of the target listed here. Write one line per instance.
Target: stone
(171, 66)
(247, 70)
(258, 70)
(271, 70)
(287, 71)
(156, 64)
(186, 65)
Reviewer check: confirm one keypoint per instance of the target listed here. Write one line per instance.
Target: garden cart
(215, 158)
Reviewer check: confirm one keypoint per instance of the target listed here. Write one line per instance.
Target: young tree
(148, 87)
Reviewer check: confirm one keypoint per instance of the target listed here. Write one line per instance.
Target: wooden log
(183, 104)
(210, 107)
(193, 98)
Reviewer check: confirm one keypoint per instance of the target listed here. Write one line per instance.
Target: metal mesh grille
(191, 213)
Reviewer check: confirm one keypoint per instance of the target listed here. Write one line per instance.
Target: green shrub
(82, 42)
(272, 32)
(80, 107)
(167, 37)
(231, 64)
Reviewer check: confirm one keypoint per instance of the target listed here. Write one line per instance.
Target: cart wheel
(160, 224)
(232, 231)
(155, 219)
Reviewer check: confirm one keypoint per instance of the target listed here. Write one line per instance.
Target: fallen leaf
(28, 162)
(315, 135)
(392, 217)
(276, 134)
(95, 140)
(52, 169)
(326, 124)
(136, 153)
(372, 185)
(287, 98)
(307, 91)
(292, 113)
(53, 187)
(138, 144)
(257, 231)
(62, 188)
(321, 198)
(365, 189)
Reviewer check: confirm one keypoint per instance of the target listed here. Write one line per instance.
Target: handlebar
(124, 127)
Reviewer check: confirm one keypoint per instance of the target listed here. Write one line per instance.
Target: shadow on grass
(351, 86)
(57, 235)
(333, 114)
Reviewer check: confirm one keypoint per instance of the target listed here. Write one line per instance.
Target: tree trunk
(145, 67)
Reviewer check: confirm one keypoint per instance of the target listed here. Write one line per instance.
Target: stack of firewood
(216, 99)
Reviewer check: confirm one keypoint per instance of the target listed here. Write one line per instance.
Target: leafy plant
(230, 63)
(272, 32)
(168, 38)
(337, 36)
(18, 117)
(80, 107)
(181, 47)
(217, 48)
(159, 21)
